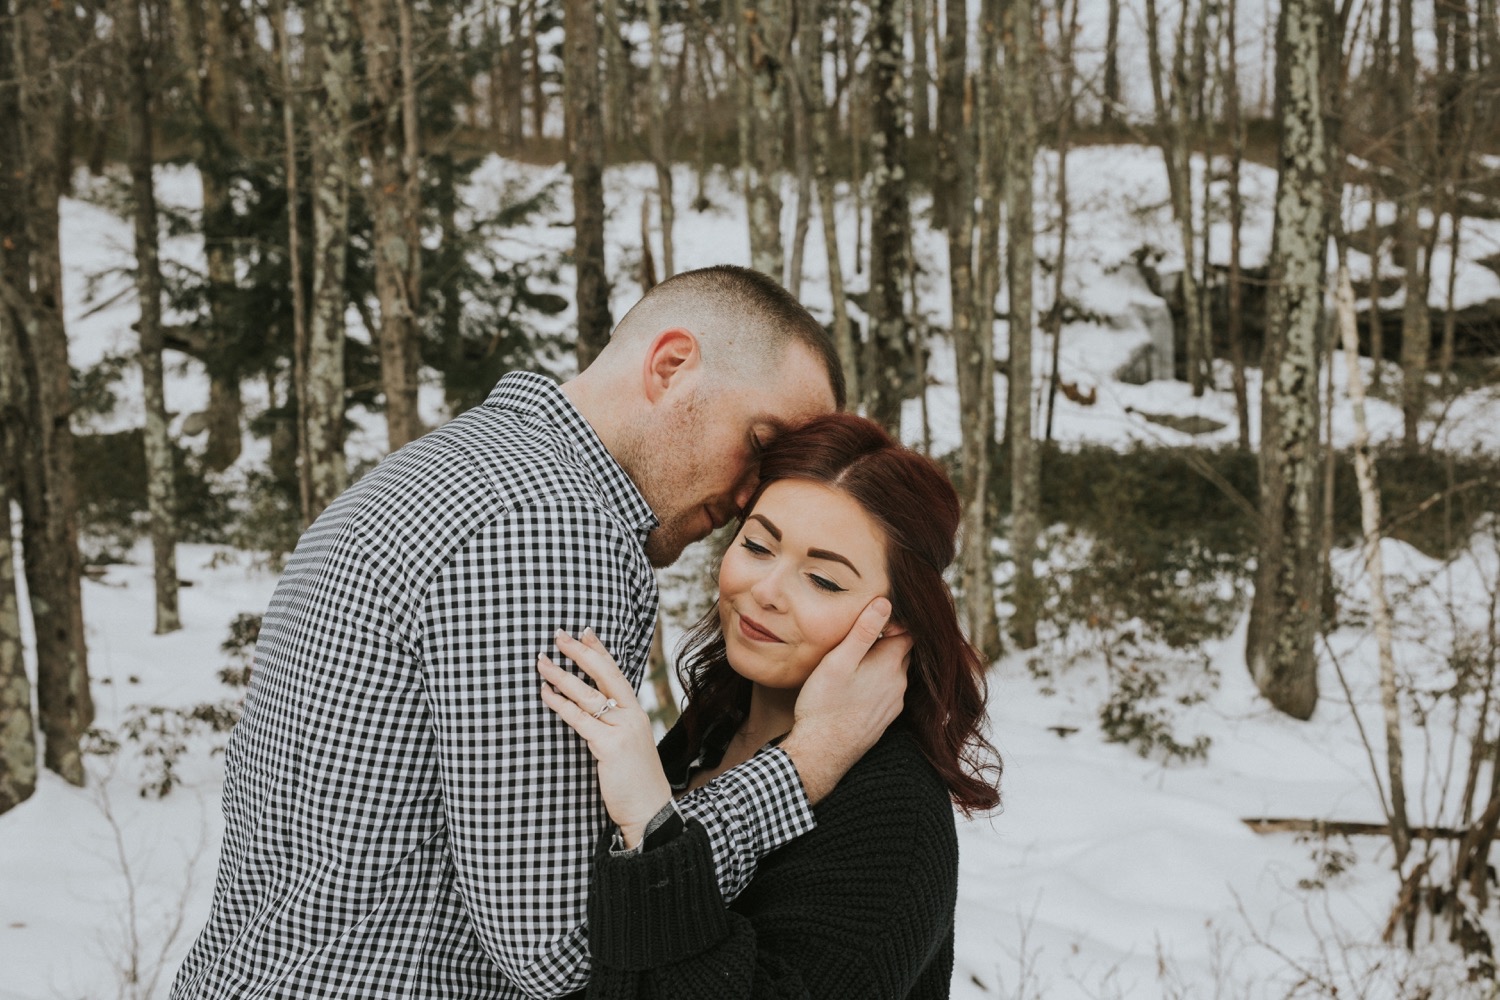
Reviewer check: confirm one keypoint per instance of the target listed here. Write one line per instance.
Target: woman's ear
(893, 628)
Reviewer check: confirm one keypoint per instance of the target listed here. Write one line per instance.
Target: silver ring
(609, 704)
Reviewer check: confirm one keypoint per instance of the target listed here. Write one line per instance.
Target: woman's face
(804, 565)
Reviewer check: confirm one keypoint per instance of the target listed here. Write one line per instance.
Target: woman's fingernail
(588, 633)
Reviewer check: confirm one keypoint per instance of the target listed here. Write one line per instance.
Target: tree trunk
(1416, 329)
(392, 195)
(534, 74)
(1380, 609)
(1172, 121)
(809, 49)
(921, 75)
(979, 525)
(49, 496)
(1025, 468)
(207, 61)
(891, 361)
(822, 135)
(953, 207)
(765, 31)
(1236, 318)
(160, 478)
(1109, 112)
(615, 85)
(1068, 28)
(17, 730)
(329, 132)
(585, 128)
(659, 155)
(1284, 615)
(17, 734)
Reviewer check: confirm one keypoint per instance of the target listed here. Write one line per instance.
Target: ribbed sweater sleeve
(861, 907)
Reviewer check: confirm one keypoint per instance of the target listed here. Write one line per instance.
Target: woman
(862, 906)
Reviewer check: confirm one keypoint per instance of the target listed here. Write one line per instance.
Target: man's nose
(744, 491)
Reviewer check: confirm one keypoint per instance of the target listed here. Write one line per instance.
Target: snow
(1105, 874)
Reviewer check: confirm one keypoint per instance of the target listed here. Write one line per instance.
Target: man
(404, 818)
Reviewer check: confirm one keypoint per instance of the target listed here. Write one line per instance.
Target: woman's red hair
(910, 497)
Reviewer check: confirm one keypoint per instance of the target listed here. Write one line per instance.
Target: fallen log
(1348, 828)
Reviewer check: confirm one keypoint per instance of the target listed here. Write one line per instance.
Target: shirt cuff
(662, 829)
(769, 792)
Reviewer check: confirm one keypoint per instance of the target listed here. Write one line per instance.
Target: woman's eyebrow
(835, 557)
(775, 531)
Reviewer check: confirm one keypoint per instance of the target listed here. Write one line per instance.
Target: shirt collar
(528, 392)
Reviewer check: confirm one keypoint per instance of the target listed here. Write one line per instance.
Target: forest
(1198, 301)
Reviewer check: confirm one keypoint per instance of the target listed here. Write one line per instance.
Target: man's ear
(671, 360)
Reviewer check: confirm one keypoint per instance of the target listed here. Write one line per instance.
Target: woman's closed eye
(754, 547)
(823, 583)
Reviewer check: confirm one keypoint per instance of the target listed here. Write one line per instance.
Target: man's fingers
(868, 625)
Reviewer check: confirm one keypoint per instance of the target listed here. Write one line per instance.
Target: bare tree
(888, 350)
(972, 304)
(1284, 614)
(17, 729)
(585, 127)
(203, 49)
(765, 37)
(1416, 320)
(1025, 469)
(656, 110)
(160, 479)
(392, 191)
(1380, 609)
(328, 128)
(1173, 122)
(1230, 69)
(32, 289)
(921, 73)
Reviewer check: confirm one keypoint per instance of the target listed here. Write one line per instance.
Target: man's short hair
(740, 316)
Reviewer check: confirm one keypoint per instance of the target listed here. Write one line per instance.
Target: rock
(1186, 424)
(194, 424)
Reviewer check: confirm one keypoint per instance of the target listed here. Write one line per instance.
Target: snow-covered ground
(1106, 875)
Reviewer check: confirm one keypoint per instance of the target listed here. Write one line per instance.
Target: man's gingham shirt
(405, 818)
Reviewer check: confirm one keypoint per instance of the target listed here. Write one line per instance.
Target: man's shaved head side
(744, 322)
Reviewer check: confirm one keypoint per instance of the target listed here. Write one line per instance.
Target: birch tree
(1380, 608)
(1020, 158)
(392, 191)
(1284, 614)
(328, 128)
(160, 479)
(585, 134)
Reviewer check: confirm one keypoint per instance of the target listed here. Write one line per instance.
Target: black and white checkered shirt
(405, 818)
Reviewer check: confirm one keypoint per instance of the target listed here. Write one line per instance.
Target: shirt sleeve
(747, 812)
(519, 790)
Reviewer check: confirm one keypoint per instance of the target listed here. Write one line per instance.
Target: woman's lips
(756, 632)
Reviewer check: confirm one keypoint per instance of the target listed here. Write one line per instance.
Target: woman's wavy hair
(911, 499)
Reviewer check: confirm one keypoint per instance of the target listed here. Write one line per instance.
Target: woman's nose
(768, 591)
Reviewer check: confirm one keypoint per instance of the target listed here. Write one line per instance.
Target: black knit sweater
(861, 907)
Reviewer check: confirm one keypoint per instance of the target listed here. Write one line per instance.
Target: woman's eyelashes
(821, 582)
